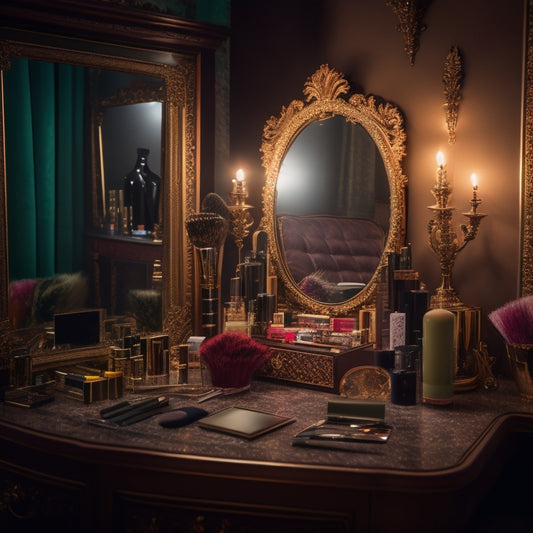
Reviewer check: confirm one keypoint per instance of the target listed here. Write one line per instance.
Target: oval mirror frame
(327, 93)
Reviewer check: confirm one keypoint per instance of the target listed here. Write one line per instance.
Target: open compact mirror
(334, 198)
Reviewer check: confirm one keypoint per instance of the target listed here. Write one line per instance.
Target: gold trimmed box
(310, 367)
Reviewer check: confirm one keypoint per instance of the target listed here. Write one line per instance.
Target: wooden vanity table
(117, 256)
(439, 463)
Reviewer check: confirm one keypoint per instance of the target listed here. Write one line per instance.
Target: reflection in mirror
(124, 129)
(47, 129)
(334, 197)
(128, 115)
(333, 168)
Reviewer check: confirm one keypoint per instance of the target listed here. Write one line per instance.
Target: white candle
(441, 171)
(239, 183)
(473, 180)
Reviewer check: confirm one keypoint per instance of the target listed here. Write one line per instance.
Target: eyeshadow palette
(247, 423)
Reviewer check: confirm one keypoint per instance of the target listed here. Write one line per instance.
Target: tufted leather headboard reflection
(340, 249)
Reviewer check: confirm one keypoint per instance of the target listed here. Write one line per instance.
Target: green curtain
(44, 116)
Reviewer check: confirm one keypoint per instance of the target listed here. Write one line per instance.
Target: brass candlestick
(443, 239)
(241, 219)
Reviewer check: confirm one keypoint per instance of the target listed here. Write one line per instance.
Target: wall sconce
(241, 219)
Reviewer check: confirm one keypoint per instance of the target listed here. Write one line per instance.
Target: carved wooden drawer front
(33, 501)
(140, 513)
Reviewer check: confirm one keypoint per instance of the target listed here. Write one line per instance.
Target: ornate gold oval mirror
(334, 198)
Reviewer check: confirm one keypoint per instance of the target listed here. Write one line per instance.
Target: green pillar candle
(438, 356)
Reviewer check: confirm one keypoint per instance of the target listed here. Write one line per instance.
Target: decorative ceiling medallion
(452, 80)
(410, 15)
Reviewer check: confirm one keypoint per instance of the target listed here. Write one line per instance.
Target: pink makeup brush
(232, 358)
(514, 321)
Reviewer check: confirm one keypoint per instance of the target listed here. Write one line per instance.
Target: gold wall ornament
(452, 80)
(410, 15)
(327, 95)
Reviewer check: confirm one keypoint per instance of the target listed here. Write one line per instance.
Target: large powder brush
(514, 321)
(232, 358)
(213, 203)
(206, 230)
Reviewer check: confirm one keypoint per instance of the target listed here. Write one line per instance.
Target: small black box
(79, 328)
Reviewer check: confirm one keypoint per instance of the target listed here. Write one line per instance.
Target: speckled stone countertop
(424, 438)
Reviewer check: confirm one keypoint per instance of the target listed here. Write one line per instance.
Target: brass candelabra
(444, 241)
(241, 219)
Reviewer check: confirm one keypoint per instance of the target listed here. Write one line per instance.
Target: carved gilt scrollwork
(410, 15)
(452, 80)
(526, 235)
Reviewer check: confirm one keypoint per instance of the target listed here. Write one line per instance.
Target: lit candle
(473, 179)
(441, 171)
(239, 183)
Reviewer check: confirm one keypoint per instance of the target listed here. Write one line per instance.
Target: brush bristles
(232, 358)
(213, 203)
(206, 230)
(514, 321)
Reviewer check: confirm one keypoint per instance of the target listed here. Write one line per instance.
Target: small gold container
(521, 360)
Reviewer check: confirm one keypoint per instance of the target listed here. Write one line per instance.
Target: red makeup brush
(232, 358)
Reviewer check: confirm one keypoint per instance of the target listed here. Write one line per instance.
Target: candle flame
(473, 179)
(240, 175)
(440, 159)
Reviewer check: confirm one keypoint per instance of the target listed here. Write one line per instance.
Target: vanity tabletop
(424, 438)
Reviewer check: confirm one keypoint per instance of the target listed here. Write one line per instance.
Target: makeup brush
(514, 321)
(206, 230)
(213, 203)
(232, 357)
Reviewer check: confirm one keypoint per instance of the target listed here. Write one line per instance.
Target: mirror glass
(334, 197)
(48, 176)
(333, 169)
(124, 129)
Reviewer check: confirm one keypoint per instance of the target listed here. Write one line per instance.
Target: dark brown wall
(276, 45)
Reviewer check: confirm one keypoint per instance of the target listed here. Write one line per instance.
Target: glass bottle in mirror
(141, 196)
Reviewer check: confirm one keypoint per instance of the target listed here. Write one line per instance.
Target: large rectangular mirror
(136, 72)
